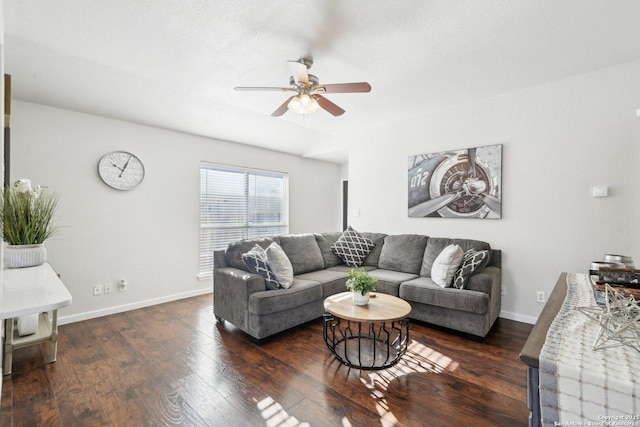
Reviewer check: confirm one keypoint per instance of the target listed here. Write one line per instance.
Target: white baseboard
(518, 317)
(63, 320)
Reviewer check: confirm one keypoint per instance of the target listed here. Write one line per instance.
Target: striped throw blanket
(579, 385)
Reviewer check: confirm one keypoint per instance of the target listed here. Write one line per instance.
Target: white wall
(559, 140)
(149, 235)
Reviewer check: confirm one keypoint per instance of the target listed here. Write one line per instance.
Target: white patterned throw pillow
(279, 263)
(471, 262)
(445, 265)
(352, 247)
(256, 262)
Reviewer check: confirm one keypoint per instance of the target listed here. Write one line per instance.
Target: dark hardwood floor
(171, 364)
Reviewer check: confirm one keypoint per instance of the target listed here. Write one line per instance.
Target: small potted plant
(360, 283)
(26, 215)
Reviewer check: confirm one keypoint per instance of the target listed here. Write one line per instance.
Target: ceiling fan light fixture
(303, 104)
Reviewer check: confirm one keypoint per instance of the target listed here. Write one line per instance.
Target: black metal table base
(366, 345)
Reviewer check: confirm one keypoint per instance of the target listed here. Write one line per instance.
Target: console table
(580, 370)
(28, 291)
(530, 353)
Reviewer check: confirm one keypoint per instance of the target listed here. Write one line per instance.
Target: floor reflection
(419, 361)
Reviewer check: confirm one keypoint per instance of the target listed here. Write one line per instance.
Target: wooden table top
(381, 307)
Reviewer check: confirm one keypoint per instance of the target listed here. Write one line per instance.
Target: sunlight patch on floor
(418, 359)
(275, 415)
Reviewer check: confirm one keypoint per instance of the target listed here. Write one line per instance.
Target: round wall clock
(121, 170)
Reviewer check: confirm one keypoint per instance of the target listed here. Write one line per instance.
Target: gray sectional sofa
(401, 263)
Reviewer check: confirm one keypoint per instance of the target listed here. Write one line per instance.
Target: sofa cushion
(303, 252)
(346, 268)
(472, 262)
(324, 241)
(437, 244)
(352, 247)
(279, 263)
(235, 250)
(332, 281)
(300, 293)
(446, 265)
(423, 290)
(403, 252)
(323, 276)
(389, 281)
(255, 260)
(374, 256)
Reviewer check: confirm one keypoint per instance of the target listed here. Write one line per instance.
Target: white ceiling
(173, 63)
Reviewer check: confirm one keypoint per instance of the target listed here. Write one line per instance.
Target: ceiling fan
(308, 97)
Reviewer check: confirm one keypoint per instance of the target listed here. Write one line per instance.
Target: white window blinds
(238, 203)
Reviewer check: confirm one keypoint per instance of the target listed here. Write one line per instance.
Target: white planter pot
(19, 256)
(359, 299)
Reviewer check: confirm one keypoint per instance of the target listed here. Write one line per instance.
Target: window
(237, 203)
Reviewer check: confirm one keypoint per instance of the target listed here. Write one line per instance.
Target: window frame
(248, 227)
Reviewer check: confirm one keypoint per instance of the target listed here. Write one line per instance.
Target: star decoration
(619, 320)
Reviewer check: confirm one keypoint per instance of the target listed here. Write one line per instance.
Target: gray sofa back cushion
(403, 252)
(437, 244)
(234, 251)
(303, 252)
(373, 259)
(324, 241)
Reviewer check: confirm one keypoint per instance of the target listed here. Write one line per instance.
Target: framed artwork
(463, 183)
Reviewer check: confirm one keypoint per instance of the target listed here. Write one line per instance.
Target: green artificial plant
(27, 213)
(360, 281)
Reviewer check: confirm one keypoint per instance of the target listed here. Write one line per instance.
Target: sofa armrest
(496, 258)
(488, 280)
(219, 259)
(231, 290)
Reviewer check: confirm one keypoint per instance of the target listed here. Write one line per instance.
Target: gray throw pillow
(256, 262)
(352, 247)
(324, 241)
(374, 256)
(403, 252)
(235, 250)
(472, 262)
(303, 252)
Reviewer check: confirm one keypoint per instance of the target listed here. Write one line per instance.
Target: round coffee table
(372, 336)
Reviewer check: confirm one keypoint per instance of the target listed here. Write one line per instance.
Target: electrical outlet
(97, 290)
(541, 297)
(108, 288)
(122, 285)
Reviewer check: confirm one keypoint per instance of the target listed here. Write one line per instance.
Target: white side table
(27, 291)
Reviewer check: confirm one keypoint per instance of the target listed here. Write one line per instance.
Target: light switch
(600, 191)
(356, 212)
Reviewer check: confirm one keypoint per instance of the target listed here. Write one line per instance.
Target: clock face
(121, 170)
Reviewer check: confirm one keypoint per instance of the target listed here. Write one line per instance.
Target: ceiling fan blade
(347, 87)
(283, 108)
(299, 72)
(278, 89)
(328, 105)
